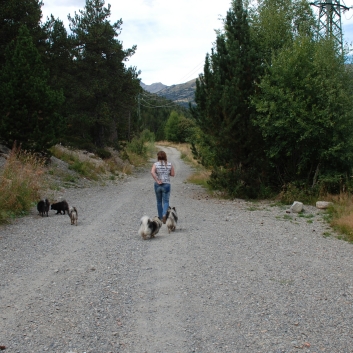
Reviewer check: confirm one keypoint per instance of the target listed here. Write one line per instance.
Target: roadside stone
(296, 207)
(322, 205)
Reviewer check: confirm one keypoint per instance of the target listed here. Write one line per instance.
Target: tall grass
(340, 215)
(20, 184)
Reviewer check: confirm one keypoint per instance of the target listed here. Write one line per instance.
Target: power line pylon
(329, 21)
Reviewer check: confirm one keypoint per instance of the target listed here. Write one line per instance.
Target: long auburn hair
(162, 156)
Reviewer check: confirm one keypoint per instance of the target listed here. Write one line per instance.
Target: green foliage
(223, 112)
(28, 104)
(137, 146)
(100, 74)
(178, 128)
(147, 136)
(155, 111)
(276, 23)
(274, 105)
(15, 14)
(298, 191)
(83, 168)
(171, 127)
(305, 112)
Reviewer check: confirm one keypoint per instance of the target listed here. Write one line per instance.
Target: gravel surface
(234, 277)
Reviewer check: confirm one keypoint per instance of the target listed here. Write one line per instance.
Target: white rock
(323, 204)
(296, 207)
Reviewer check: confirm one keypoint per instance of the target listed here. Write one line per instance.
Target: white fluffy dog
(172, 219)
(149, 227)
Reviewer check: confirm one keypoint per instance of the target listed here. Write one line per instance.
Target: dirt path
(234, 277)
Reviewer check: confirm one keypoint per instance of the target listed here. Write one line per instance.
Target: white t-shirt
(163, 171)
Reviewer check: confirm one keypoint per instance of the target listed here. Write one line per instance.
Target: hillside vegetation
(182, 94)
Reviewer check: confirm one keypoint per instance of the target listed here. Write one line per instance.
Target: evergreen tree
(154, 112)
(58, 60)
(14, 14)
(105, 89)
(223, 112)
(28, 109)
(58, 57)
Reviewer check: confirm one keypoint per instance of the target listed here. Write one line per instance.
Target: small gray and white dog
(172, 219)
(73, 215)
(149, 227)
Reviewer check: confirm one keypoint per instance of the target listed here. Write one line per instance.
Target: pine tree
(28, 109)
(58, 57)
(105, 89)
(14, 14)
(223, 110)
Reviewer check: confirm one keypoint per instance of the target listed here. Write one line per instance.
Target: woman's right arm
(172, 171)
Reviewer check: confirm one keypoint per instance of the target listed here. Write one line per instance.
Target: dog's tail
(145, 221)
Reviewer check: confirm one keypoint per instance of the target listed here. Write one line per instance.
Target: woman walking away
(161, 172)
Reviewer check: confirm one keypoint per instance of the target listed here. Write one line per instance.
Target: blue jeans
(162, 195)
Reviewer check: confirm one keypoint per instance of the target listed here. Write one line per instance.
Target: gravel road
(234, 277)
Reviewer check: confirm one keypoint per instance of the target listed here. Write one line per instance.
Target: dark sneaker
(164, 219)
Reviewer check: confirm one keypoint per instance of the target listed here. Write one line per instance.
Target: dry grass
(201, 174)
(93, 167)
(341, 214)
(20, 183)
(184, 149)
(87, 165)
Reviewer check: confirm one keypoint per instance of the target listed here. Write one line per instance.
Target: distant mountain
(181, 94)
(154, 88)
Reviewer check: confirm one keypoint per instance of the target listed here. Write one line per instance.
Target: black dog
(60, 206)
(43, 207)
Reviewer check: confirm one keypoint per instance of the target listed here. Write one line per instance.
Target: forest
(72, 87)
(274, 104)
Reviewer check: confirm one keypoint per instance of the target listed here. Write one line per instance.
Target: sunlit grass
(340, 215)
(20, 184)
(86, 168)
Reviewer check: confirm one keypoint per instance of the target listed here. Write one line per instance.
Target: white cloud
(172, 37)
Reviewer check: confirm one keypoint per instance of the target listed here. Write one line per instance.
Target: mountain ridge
(182, 94)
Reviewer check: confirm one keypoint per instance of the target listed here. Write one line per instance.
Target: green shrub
(147, 136)
(137, 146)
(298, 192)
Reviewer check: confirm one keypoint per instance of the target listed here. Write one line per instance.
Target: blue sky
(172, 37)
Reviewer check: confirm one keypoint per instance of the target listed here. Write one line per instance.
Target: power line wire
(190, 72)
(149, 105)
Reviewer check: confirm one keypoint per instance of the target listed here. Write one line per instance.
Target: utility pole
(129, 133)
(139, 107)
(329, 21)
